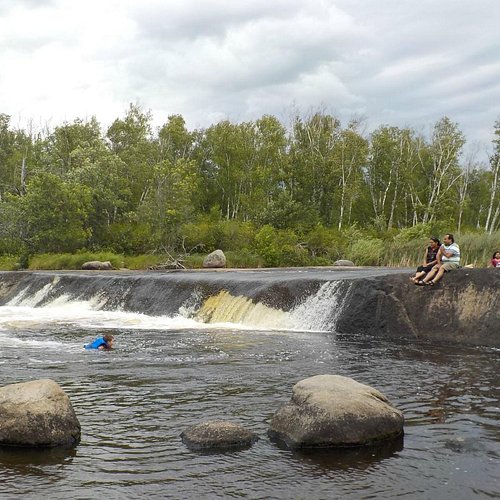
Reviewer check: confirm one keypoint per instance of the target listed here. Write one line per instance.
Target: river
(172, 371)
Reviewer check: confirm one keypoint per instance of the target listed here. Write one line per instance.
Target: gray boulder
(218, 435)
(215, 259)
(97, 265)
(343, 262)
(37, 414)
(334, 411)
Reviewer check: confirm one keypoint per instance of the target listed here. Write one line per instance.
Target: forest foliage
(308, 192)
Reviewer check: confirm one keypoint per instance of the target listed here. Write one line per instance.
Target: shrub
(417, 232)
(8, 263)
(477, 249)
(366, 252)
(72, 261)
(272, 244)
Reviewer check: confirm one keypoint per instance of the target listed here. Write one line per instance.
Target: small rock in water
(218, 435)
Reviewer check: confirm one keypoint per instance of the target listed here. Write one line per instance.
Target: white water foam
(85, 315)
(316, 313)
(24, 299)
(319, 311)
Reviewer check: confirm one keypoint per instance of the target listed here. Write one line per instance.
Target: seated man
(448, 258)
(104, 343)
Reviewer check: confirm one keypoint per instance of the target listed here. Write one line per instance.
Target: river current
(168, 373)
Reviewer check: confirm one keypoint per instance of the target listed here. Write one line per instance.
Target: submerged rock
(215, 259)
(335, 411)
(38, 414)
(97, 265)
(218, 435)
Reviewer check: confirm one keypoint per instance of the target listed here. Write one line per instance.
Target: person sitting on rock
(430, 260)
(495, 260)
(104, 343)
(448, 258)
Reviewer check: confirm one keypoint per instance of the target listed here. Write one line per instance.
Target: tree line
(134, 188)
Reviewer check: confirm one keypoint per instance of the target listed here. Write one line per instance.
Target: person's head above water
(104, 343)
(109, 340)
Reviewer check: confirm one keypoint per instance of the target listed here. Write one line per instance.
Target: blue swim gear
(97, 343)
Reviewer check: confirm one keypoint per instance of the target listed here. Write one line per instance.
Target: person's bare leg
(439, 275)
(418, 276)
(431, 274)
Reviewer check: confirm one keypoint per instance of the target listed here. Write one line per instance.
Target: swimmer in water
(104, 343)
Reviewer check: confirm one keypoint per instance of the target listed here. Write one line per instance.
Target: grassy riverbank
(400, 251)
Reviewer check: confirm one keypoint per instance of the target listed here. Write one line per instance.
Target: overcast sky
(397, 62)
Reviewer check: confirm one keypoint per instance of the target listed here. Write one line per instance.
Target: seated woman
(495, 260)
(430, 259)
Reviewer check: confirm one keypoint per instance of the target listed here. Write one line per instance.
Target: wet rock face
(328, 411)
(37, 414)
(218, 435)
(464, 307)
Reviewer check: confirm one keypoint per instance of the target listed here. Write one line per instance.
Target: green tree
(169, 200)
(54, 215)
(390, 177)
(131, 140)
(443, 171)
(102, 172)
(60, 145)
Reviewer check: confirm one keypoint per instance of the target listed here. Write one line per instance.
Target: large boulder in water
(37, 414)
(335, 411)
(218, 435)
(97, 265)
(215, 259)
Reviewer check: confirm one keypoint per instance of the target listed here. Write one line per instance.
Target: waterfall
(257, 301)
(317, 312)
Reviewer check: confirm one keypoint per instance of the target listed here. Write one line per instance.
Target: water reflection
(133, 404)
(36, 461)
(359, 457)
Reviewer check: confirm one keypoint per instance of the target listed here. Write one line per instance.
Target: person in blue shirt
(104, 343)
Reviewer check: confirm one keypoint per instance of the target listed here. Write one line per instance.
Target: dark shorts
(425, 269)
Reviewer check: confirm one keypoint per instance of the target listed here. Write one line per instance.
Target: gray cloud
(399, 62)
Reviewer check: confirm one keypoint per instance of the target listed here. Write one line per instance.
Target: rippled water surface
(134, 402)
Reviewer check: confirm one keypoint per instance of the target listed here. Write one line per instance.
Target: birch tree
(445, 150)
(493, 213)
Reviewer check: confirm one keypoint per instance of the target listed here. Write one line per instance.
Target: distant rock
(333, 411)
(218, 435)
(343, 262)
(215, 259)
(97, 265)
(37, 414)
